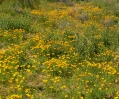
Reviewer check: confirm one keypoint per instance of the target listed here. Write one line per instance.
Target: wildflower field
(60, 50)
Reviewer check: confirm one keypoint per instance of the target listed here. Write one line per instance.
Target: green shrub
(23, 3)
(16, 23)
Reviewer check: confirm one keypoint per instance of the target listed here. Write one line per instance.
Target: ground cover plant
(60, 50)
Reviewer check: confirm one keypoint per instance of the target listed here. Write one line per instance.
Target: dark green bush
(1, 1)
(17, 23)
(23, 3)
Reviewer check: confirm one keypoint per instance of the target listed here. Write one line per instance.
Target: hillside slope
(59, 51)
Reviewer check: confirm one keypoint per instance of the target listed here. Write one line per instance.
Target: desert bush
(1, 1)
(28, 3)
(9, 23)
(83, 17)
(24, 3)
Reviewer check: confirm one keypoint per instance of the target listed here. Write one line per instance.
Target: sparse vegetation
(58, 50)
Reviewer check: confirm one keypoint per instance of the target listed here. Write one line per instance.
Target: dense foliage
(59, 50)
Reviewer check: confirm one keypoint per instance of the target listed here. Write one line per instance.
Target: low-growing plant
(15, 23)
